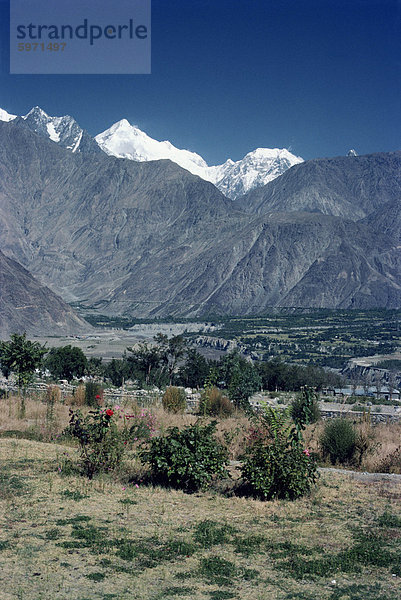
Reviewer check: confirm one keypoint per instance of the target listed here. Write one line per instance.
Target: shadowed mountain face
(150, 239)
(350, 186)
(26, 305)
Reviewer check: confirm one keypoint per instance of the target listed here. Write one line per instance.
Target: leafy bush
(187, 459)
(101, 445)
(174, 400)
(276, 465)
(215, 404)
(305, 406)
(338, 441)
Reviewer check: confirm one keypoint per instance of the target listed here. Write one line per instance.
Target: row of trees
(166, 361)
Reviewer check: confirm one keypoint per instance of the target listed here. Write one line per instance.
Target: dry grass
(385, 439)
(125, 547)
(232, 430)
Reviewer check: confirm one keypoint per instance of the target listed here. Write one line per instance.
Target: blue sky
(316, 76)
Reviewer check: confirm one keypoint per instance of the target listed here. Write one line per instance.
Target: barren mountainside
(26, 305)
(346, 186)
(151, 239)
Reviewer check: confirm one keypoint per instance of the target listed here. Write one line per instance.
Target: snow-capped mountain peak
(64, 131)
(124, 140)
(257, 168)
(37, 113)
(5, 116)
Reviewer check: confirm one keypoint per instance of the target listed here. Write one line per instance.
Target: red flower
(109, 412)
(98, 397)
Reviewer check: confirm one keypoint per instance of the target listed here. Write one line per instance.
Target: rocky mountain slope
(26, 305)
(150, 239)
(348, 186)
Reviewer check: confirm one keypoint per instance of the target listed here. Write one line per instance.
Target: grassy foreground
(64, 537)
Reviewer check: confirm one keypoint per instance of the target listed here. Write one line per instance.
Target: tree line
(166, 361)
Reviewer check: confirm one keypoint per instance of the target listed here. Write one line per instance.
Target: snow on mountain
(124, 140)
(234, 179)
(5, 116)
(62, 130)
(255, 170)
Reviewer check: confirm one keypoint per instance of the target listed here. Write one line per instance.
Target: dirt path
(391, 477)
(360, 476)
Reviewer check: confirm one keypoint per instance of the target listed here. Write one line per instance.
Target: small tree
(305, 407)
(22, 357)
(174, 400)
(338, 441)
(241, 378)
(66, 362)
(214, 403)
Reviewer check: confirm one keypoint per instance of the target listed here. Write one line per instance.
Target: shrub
(391, 463)
(278, 471)
(187, 459)
(277, 465)
(305, 407)
(101, 445)
(93, 393)
(214, 403)
(338, 441)
(174, 400)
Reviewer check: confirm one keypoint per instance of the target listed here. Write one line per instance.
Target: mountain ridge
(149, 239)
(124, 140)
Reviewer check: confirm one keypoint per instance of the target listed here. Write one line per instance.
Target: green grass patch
(52, 534)
(389, 520)
(251, 544)
(223, 572)
(128, 502)
(74, 520)
(209, 533)
(176, 591)
(73, 495)
(97, 576)
(11, 485)
(150, 552)
(367, 550)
